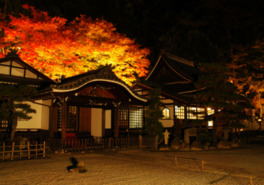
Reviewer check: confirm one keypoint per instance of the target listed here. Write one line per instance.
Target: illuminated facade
(95, 103)
(99, 104)
(175, 77)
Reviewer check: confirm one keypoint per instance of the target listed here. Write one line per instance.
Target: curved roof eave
(153, 69)
(99, 80)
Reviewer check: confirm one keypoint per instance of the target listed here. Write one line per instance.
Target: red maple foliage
(57, 47)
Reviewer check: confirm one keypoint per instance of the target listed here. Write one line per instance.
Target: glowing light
(210, 111)
(210, 123)
(55, 48)
(166, 113)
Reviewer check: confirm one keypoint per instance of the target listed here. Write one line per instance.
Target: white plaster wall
(96, 122)
(45, 115)
(167, 101)
(167, 123)
(39, 120)
(108, 118)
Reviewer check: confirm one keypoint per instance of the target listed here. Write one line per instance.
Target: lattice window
(3, 123)
(179, 112)
(200, 113)
(123, 117)
(191, 113)
(195, 113)
(166, 113)
(131, 117)
(71, 122)
(59, 118)
(71, 118)
(136, 117)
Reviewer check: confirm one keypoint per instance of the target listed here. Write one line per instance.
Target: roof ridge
(180, 59)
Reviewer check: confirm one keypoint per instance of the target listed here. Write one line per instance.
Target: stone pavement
(238, 166)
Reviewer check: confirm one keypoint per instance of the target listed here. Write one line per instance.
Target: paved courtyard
(237, 166)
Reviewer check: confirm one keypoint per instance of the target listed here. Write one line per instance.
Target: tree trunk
(13, 129)
(12, 121)
(63, 122)
(116, 123)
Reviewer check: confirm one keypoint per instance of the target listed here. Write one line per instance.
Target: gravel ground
(236, 166)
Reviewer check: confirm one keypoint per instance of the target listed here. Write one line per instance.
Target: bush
(203, 138)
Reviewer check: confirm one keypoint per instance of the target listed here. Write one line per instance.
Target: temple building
(95, 103)
(98, 104)
(176, 78)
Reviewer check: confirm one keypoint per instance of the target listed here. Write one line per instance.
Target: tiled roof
(182, 66)
(104, 72)
(173, 74)
(103, 75)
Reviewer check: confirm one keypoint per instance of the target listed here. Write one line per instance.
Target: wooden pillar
(214, 131)
(53, 125)
(140, 141)
(103, 122)
(116, 132)
(185, 115)
(63, 120)
(51, 132)
(174, 116)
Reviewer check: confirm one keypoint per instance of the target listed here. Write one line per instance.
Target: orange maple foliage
(248, 72)
(55, 47)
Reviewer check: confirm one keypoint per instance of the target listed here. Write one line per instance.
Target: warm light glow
(192, 112)
(195, 113)
(210, 111)
(210, 123)
(56, 48)
(201, 113)
(166, 113)
(179, 112)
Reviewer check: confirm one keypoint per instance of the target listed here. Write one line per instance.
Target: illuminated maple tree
(248, 73)
(57, 47)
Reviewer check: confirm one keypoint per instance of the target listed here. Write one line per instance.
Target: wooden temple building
(99, 104)
(175, 77)
(95, 103)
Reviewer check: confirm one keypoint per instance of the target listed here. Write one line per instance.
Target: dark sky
(142, 20)
(204, 30)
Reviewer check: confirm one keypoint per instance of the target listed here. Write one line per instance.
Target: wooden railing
(22, 151)
(29, 150)
(91, 144)
(39, 135)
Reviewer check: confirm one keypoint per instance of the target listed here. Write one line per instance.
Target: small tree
(13, 106)
(153, 126)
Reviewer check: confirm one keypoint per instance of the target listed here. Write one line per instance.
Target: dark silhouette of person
(75, 167)
(74, 164)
